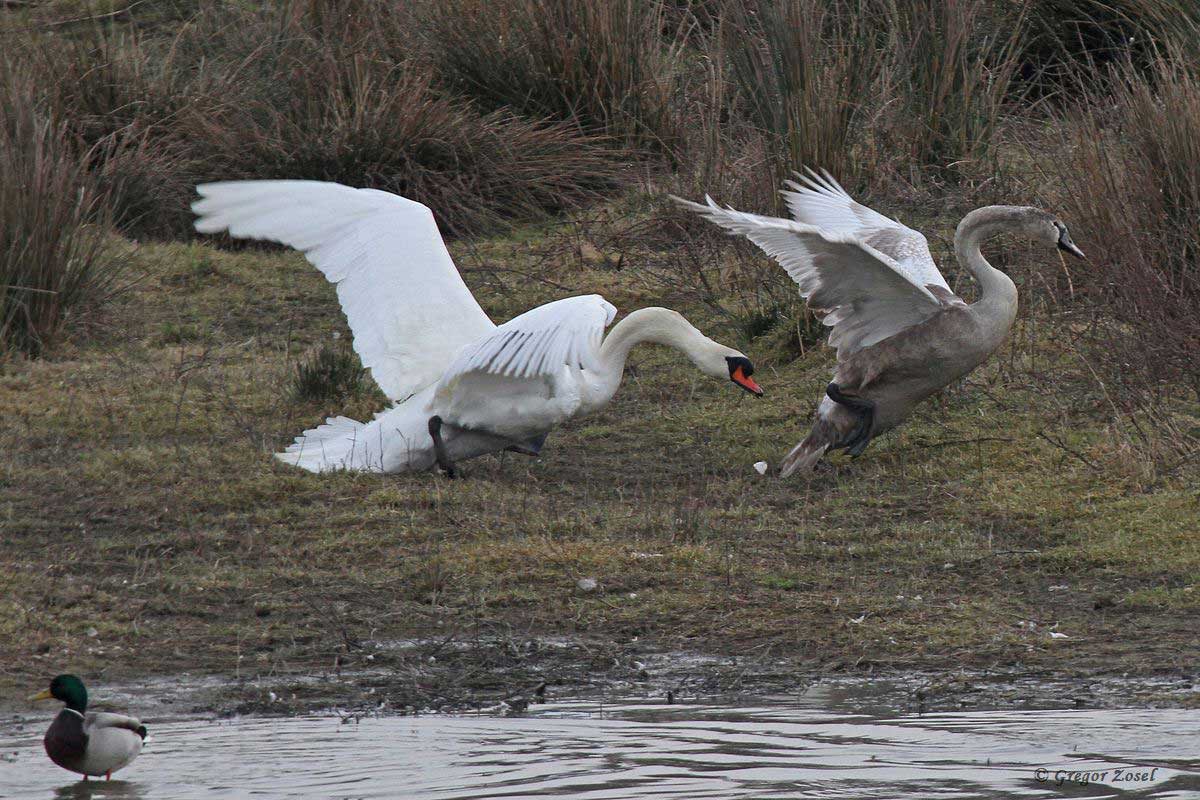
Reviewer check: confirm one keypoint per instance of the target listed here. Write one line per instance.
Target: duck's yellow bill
(44, 694)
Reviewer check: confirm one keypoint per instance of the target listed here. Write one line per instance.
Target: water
(592, 751)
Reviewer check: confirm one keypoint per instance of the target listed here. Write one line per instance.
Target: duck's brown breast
(65, 741)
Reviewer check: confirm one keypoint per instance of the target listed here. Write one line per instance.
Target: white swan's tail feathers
(803, 456)
(341, 443)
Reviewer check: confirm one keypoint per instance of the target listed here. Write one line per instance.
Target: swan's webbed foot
(856, 448)
(864, 409)
(439, 448)
(530, 447)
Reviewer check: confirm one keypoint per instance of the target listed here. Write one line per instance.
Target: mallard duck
(90, 743)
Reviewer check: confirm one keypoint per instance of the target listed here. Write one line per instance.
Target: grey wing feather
(819, 200)
(865, 295)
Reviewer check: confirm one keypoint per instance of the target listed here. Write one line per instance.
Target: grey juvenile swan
(900, 333)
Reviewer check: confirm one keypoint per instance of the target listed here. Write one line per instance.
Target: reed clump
(1128, 176)
(54, 220)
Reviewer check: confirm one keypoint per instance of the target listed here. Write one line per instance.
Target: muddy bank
(507, 676)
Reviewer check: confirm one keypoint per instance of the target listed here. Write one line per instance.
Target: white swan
(462, 385)
(901, 334)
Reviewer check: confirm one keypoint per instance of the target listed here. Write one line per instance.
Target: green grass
(138, 497)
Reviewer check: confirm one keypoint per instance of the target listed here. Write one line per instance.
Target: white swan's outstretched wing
(407, 306)
(864, 294)
(822, 203)
(541, 341)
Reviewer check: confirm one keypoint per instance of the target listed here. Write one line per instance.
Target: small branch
(1068, 450)
(1180, 462)
(949, 442)
(13, 288)
(521, 273)
(61, 22)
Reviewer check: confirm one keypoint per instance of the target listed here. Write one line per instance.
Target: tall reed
(54, 217)
(302, 90)
(1072, 36)
(805, 73)
(953, 65)
(1128, 177)
(341, 116)
(611, 66)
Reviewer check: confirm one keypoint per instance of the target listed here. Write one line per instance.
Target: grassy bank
(1043, 515)
(145, 529)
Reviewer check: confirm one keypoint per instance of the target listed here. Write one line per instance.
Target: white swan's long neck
(997, 292)
(657, 326)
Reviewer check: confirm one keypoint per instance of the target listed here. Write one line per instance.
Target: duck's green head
(68, 689)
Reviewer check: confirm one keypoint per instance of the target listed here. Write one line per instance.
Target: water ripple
(593, 752)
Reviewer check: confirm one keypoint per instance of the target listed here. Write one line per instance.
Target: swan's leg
(439, 447)
(864, 409)
(529, 447)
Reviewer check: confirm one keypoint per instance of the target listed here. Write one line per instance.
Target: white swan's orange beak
(743, 380)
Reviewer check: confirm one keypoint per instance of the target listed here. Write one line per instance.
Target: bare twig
(1068, 450)
(58, 23)
(949, 442)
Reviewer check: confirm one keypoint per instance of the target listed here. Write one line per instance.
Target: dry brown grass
(1128, 176)
(806, 73)
(54, 219)
(296, 92)
(951, 79)
(611, 66)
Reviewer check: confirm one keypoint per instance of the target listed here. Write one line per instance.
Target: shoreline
(507, 677)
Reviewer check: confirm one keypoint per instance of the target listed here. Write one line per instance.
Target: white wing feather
(541, 341)
(823, 203)
(407, 306)
(864, 294)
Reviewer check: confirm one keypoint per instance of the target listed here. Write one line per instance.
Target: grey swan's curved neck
(997, 292)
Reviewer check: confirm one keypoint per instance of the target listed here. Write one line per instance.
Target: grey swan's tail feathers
(830, 431)
(805, 455)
